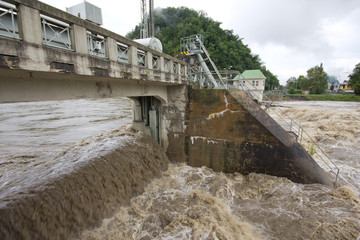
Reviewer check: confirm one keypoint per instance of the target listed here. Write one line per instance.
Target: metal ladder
(300, 135)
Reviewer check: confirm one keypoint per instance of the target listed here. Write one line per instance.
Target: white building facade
(252, 81)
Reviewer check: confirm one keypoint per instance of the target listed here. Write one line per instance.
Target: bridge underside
(155, 109)
(22, 85)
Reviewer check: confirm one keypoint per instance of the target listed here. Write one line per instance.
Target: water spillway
(103, 172)
(184, 202)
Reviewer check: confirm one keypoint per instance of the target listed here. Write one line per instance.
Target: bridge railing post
(80, 39)
(162, 67)
(148, 61)
(172, 70)
(111, 49)
(30, 25)
(133, 59)
(178, 72)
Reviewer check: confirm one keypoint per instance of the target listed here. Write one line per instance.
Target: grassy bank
(324, 97)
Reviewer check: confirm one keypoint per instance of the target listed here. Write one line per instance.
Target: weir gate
(48, 54)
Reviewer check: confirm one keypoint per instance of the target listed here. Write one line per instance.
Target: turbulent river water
(43, 142)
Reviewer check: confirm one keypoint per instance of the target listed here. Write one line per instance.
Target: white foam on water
(198, 203)
(195, 201)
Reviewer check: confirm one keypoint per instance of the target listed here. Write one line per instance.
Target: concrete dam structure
(221, 129)
(227, 131)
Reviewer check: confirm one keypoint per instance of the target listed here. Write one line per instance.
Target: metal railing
(182, 70)
(58, 31)
(141, 58)
(9, 20)
(166, 65)
(296, 131)
(55, 33)
(155, 62)
(175, 70)
(123, 52)
(96, 45)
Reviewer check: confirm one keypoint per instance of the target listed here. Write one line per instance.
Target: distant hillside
(225, 48)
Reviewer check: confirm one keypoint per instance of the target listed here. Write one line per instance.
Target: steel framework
(56, 33)
(96, 44)
(123, 52)
(8, 20)
(194, 45)
(147, 19)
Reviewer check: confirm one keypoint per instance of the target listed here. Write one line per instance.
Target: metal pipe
(206, 69)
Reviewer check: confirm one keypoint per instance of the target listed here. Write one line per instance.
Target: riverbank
(322, 97)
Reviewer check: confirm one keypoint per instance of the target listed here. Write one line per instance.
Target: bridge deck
(43, 49)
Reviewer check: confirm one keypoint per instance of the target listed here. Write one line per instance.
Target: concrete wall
(31, 70)
(227, 131)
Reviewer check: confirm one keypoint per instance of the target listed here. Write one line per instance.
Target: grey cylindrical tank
(152, 42)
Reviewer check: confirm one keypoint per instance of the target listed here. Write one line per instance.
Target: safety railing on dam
(37, 23)
(295, 130)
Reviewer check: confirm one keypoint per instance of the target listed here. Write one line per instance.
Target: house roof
(253, 74)
(239, 77)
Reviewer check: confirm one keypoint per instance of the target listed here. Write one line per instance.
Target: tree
(271, 81)
(303, 82)
(318, 79)
(354, 82)
(291, 84)
(225, 48)
(332, 87)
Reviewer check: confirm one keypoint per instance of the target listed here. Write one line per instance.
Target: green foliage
(291, 90)
(332, 87)
(354, 82)
(318, 80)
(225, 48)
(292, 85)
(304, 83)
(271, 81)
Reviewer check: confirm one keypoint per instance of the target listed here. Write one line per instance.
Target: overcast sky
(289, 36)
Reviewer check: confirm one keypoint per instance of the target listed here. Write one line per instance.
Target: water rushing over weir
(32, 134)
(64, 182)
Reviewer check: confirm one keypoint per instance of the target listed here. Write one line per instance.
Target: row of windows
(256, 83)
(58, 34)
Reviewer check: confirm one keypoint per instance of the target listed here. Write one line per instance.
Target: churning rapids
(62, 175)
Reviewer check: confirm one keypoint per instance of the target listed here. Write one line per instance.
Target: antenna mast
(147, 20)
(144, 20)
(151, 18)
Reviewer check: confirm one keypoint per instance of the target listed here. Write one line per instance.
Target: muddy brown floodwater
(44, 145)
(197, 203)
